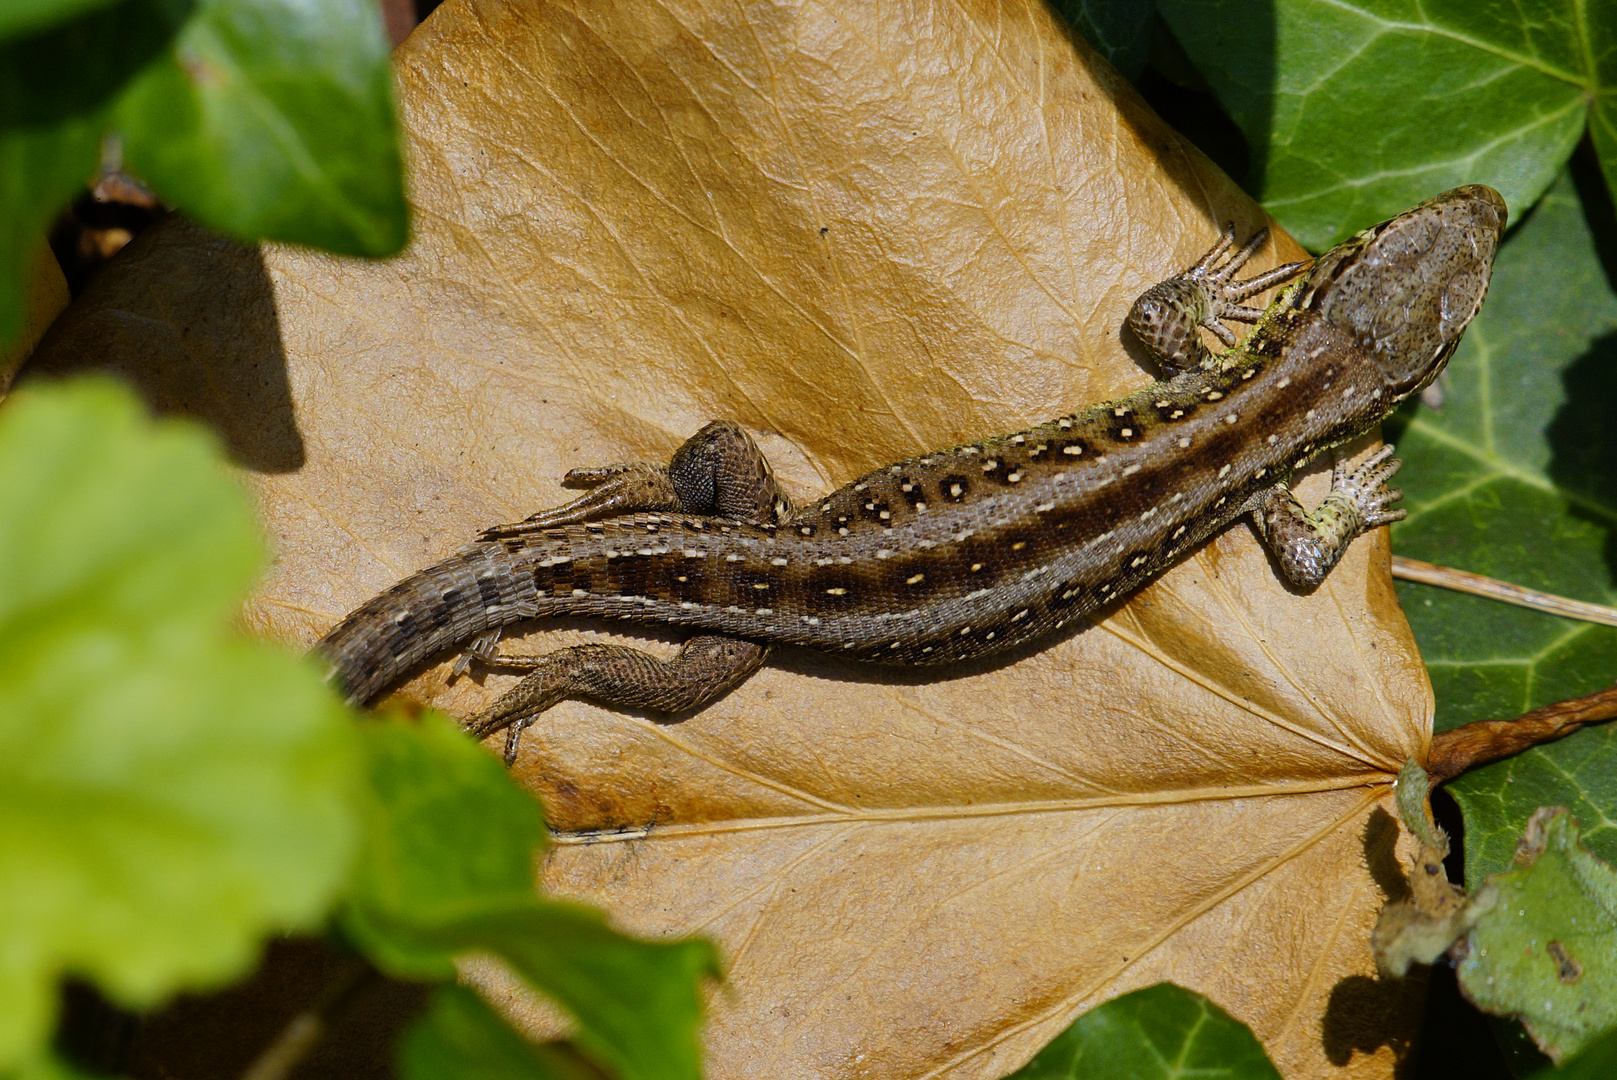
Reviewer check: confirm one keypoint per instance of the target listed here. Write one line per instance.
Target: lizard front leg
(1168, 317)
(705, 667)
(1309, 543)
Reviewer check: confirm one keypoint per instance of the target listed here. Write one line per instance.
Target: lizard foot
(480, 648)
(1168, 317)
(704, 667)
(1366, 488)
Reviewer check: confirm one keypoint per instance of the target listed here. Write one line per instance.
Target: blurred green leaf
(1163, 1032)
(449, 838)
(55, 91)
(29, 16)
(266, 119)
(169, 792)
(1357, 110)
(1546, 951)
(1596, 1061)
(461, 1038)
(273, 119)
(1512, 478)
(44, 1067)
(447, 869)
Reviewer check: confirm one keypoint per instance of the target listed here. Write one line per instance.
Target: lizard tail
(378, 644)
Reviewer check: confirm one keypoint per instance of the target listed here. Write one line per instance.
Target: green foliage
(262, 118)
(1356, 110)
(169, 792)
(26, 16)
(1119, 29)
(447, 868)
(461, 1037)
(1163, 1032)
(1512, 478)
(43, 1067)
(1546, 950)
(1596, 1061)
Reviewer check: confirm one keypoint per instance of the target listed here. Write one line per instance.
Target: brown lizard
(967, 552)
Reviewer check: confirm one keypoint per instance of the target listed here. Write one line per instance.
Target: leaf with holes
(1511, 477)
(862, 231)
(1544, 948)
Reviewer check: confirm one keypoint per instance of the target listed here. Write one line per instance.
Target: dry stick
(1454, 752)
(1493, 589)
(306, 1029)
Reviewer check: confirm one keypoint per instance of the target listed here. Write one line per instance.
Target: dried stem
(1494, 589)
(1465, 748)
(306, 1029)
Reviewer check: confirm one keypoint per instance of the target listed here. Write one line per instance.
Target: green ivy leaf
(266, 119)
(462, 1037)
(447, 869)
(1119, 29)
(1545, 952)
(1356, 110)
(1512, 478)
(169, 792)
(1163, 1032)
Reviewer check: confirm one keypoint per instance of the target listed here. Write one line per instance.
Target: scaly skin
(967, 552)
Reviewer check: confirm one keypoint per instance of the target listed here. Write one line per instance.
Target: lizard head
(1406, 289)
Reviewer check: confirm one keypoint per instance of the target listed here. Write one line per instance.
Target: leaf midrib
(1586, 82)
(1510, 472)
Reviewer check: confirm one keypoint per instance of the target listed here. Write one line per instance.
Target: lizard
(974, 550)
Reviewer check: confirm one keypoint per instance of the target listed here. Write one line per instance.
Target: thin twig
(305, 1030)
(1454, 752)
(1493, 589)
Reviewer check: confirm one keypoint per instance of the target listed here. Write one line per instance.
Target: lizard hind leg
(721, 471)
(705, 667)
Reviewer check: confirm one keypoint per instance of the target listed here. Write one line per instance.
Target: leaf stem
(1464, 748)
(1477, 585)
(306, 1029)
(1493, 589)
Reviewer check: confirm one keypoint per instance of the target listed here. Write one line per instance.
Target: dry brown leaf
(47, 296)
(863, 230)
